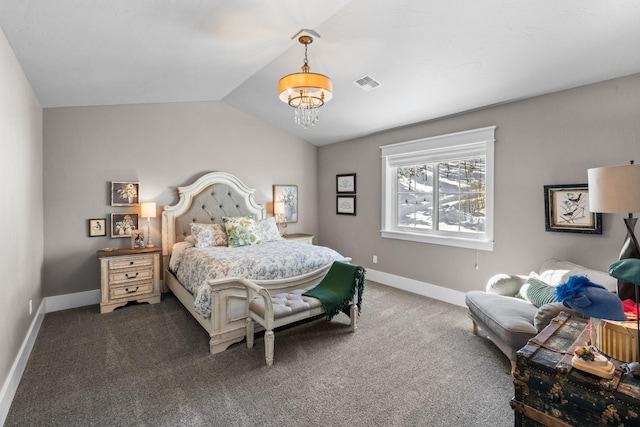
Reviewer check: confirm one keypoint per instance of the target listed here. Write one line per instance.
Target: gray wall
(551, 139)
(21, 207)
(161, 146)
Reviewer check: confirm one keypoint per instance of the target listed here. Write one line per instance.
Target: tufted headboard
(207, 200)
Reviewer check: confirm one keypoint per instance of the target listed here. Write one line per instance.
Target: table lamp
(148, 210)
(281, 218)
(616, 189)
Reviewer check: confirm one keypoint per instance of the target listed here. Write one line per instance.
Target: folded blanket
(338, 287)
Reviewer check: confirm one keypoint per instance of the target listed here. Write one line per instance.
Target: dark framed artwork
(125, 193)
(346, 205)
(123, 224)
(567, 210)
(97, 227)
(346, 183)
(287, 194)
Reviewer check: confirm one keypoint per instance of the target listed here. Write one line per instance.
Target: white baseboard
(15, 373)
(417, 287)
(48, 305)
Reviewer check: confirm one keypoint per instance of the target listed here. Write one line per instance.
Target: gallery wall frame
(567, 210)
(346, 205)
(346, 183)
(125, 193)
(288, 194)
(97, 227)
(123, 224)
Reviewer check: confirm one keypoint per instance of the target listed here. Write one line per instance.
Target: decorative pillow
(208, 235)
(267, 230)
(538, 292)
(241, 231)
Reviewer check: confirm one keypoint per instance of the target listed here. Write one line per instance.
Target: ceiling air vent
(367, 83)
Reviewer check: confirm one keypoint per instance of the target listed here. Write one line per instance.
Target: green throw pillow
(241, 231)
(539, 293)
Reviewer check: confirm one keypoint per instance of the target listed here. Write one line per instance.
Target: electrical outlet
(30, 307)
(375, 259)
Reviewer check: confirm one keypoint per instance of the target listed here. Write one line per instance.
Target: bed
(219, 302)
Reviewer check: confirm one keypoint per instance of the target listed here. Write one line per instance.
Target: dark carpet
(412, 362)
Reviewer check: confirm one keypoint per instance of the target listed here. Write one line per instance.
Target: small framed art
(137, 239)
(287, 194)
(125, 193)
(346, 183)
(567, 210)
(97, 227)
(346, 205)
(123, 224)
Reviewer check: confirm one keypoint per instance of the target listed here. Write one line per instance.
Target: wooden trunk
(550, 392)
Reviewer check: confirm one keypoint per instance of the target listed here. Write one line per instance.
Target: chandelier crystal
(305, 91)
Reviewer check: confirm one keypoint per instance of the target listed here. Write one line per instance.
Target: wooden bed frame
(207, 200)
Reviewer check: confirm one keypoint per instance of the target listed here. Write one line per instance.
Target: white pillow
(267, 229)
(208, 235)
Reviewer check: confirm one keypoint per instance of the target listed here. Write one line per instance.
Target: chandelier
(305, 91)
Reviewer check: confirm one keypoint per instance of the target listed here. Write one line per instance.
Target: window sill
(458, 242)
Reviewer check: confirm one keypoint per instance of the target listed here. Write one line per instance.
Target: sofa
(514, 307)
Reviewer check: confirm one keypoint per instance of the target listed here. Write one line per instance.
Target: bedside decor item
(346, 183)
(281, 220)
(616, 189)
(288, 194)
(148, 210)
(628, 270)
(124, 193)
(305, 91)
(122, 224)
(567, 210)
(97, 227)
(137, 239)
(346, 205)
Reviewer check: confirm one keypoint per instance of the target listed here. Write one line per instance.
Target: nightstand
(300, 237)
(129, 275)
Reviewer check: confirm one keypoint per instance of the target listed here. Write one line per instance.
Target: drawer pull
(132, 291)
(132, 277)
(131, 263)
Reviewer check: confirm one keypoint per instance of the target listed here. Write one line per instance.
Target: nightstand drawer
(130, 262)
(132, 290)
(118, 277)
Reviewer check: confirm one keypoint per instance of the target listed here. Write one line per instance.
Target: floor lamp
(616, 189)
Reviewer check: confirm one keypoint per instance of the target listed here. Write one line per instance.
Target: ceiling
(431, 58)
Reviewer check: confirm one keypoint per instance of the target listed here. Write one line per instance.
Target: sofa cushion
(540, 293)
(509, 319)
(556, 272)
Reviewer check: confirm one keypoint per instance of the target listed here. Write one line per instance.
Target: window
(440, 189)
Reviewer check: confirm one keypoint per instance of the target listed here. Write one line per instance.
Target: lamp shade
(614, 189)
(148, 210)
(278, 208)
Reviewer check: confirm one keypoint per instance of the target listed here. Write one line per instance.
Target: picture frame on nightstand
(137, 239)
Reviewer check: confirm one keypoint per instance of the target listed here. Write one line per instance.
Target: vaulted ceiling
(431, 58)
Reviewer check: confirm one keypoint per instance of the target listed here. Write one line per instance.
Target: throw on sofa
(514, 308)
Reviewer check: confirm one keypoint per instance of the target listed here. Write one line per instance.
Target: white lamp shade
(278, 208)
(148, 210)
(614, 189)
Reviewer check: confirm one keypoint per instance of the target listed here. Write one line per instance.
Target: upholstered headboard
(207, 200)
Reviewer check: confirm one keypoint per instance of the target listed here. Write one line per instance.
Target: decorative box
(617, 339)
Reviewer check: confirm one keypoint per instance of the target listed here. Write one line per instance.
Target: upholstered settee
(514, 308)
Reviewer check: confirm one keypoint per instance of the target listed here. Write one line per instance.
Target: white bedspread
(268, 261)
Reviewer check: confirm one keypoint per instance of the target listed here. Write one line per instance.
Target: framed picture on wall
(125, 193)
(97, 227)
(346, 205)
(288, 196)
(567, 210)
(123, 224)
(346, 183)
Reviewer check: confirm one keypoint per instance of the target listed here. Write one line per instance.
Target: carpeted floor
(412, 362)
